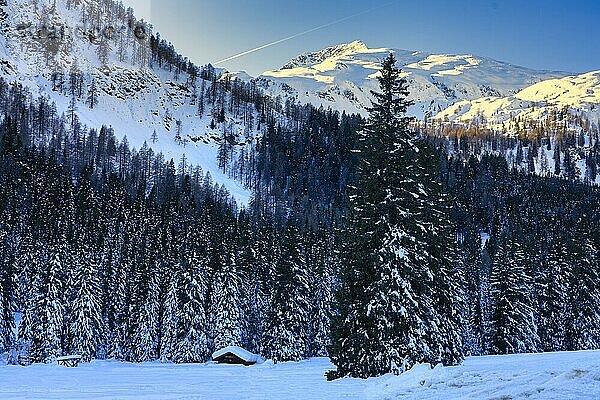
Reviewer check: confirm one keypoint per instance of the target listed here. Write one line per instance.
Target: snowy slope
(580, 94)
(552, 376)
(572, 91)
(342, 77)
(549, 376)
(134, 98)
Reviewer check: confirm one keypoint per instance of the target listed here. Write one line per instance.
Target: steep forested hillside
(112, 252)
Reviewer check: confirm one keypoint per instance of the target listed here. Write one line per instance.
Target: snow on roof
(237, 351)
(67, 358)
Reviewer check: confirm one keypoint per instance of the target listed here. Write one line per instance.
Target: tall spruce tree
(6, 319)
(228, 312)
(553, 298)
(583, 328)
(7, 324)
(192, 341)
(514, 324)
(320, 256)
(286, 326)
(87, 325)
(444, 265)
(385, 319)
(168, 332)
(48, 315)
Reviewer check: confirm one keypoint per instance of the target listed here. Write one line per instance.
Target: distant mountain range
(444, 86)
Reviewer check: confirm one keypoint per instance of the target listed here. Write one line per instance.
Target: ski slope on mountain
(574, 376)
(135, 99)
(342, 77)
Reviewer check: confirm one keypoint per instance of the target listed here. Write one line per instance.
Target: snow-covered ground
(549, 376)
(539, 376)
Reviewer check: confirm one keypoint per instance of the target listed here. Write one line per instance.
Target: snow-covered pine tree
(401, 315)
(146, 330)
(470, 254)
(383, 306)
(92, 98)
(6, 319)
(145, 307)
(116, 312)
(227, 316)
(445, 267)
(47, 316)
(286, 325)
(27, 263)
(86, 328)
(168, 332)
(7, 286)
(201, 105)
(352, 327)
(320, 256)
(192, 341)
(514, 324)
(261, 270)
(485, 300)
(583, 328)
(553, 298)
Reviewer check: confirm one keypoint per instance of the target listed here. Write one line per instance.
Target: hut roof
(245, 355)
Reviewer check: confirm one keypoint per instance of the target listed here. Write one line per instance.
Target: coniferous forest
(366, 240)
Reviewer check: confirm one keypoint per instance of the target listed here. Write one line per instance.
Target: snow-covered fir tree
(145, 309)
(47, 315)
(385, 319)
(7, 293)
(320, 255)
(116, 304)
(444, 264)
(86, 330)
(168, 333)
(286, 326)
(192, 339)
(471, 258)
(514, 324)
(227, 315)
(6, 320)
(583, 326)
(553, 298)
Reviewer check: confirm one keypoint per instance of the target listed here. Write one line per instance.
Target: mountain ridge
(44, 43)
(342, 76)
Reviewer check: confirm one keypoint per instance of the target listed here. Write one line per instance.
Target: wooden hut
(235, 355)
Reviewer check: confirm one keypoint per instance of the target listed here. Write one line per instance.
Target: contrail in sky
(245, 53)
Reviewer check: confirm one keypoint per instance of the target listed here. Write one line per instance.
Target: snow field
(548, 376)
(556, 376)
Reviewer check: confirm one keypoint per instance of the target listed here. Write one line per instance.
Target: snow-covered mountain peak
(342, 77)
(318, 57)
(350, 62)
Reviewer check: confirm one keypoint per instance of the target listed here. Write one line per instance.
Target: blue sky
(558, 35)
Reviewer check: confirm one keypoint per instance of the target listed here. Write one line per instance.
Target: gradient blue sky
(558, 35)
